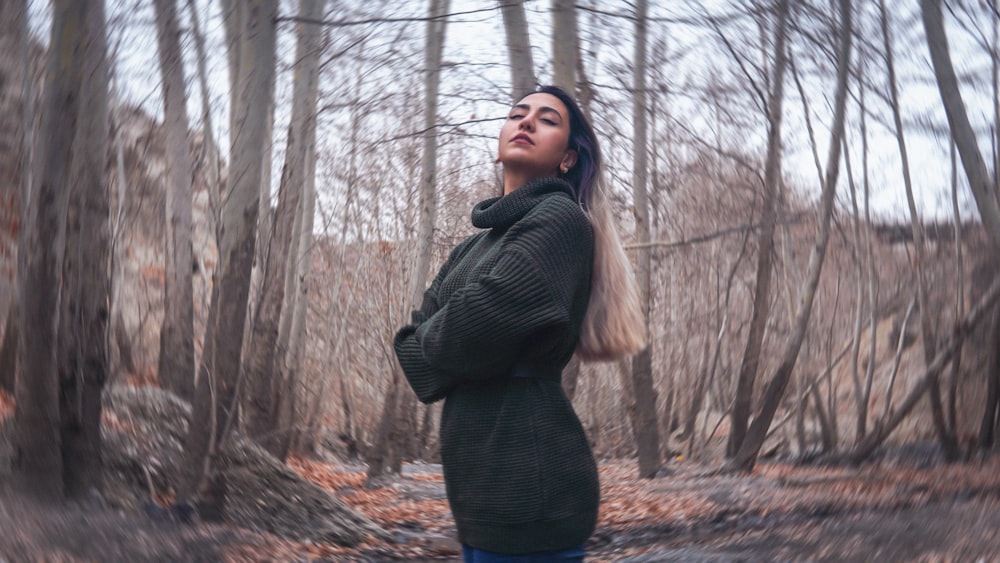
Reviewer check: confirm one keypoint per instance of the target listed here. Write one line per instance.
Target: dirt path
(882, 512)
(957, 530)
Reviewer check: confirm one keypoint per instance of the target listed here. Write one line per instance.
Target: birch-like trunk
(948, 443)
(215, 397)
(644, 420)
(564, 45)
(209, 156)
(962, 132)
(176, 361)
(86, 284)
(743, 402)
(291, 367)
(746, 456)
(14, 133)
(38, 463)
(522, 68)
(980, 182)
(263, 358)
(400, 403)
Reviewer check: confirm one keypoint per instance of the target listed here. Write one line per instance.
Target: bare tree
(86, 283)
(234, 16)
(980, 181)
(564, 44)
(959, 278)
(948, 443)
(37, 446)
(14, 132)
(743, 401)
(643, 412)
(945, 353)
(292, 333)
(209, 154)
(958, 120)
(263, 359)
(294, 343)
(51, 377)
(746, 456)
(868, 277)
(8, 348)
(400, 403)
(176, 360)
(522, 68)
(216, 392)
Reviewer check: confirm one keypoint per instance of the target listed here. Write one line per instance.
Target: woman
(546, 277)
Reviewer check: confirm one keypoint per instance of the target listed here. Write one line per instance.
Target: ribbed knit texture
(518, 469)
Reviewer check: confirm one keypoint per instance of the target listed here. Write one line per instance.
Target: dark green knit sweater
(497, 325)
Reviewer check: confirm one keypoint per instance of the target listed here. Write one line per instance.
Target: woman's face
(535, 138)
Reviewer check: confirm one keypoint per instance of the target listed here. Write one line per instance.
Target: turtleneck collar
(506, 210)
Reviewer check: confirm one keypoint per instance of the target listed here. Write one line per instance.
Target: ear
(568, 160)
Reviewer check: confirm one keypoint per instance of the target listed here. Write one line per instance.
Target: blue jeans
(473, 555)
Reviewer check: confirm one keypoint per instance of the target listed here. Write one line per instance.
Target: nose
(527, 122)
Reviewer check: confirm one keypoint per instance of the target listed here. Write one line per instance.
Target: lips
(521, 138)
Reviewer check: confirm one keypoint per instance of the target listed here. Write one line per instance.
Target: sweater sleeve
(430, 304)
(403, 341)
(481, 330)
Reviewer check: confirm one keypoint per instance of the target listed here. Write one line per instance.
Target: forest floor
(910, 508)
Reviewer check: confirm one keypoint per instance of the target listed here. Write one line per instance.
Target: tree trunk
(209, 155)
(295, 340)
(644, 420)
(958, 120)
(948, 443)
(400, 404)
(176, 362)
(743, 402)
(8, 351)
(234, 14)
(963, 328)
(860, 400)
(866, 273)
(291, 330)
(214, 402)
(38, 461)
(86, 284)
(571, 377)
(15, 130)
(263, 359)
(747, 454)
(869, 255)
(522, 68)
(122, 340)
(959, 288)
(564, 45)
(991, 413)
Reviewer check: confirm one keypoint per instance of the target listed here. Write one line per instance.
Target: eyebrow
(543, 109)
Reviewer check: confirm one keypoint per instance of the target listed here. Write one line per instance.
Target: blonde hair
(614, 325)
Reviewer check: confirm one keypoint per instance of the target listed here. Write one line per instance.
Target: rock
(143, 456)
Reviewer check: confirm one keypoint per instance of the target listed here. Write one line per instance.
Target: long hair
(614, 325)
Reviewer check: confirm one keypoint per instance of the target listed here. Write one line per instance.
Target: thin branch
(794, 219)
(420, 132)
(366, 21)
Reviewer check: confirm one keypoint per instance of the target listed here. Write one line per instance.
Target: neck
(514, 179)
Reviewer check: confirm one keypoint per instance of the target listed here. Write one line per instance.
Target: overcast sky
(477, 37)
